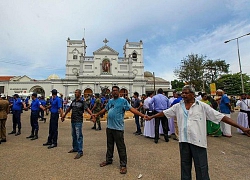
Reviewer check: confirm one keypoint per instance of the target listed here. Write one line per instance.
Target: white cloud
(34, 33)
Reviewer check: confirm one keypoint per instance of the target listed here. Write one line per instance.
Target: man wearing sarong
(244, 114)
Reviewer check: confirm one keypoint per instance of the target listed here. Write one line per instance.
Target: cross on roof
(105, 41)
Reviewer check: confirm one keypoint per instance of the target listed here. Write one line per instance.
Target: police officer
(17, 107)
(41, 113)
(35, 108)
(55, 106)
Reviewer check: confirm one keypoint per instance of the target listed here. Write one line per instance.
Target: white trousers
(226, 128)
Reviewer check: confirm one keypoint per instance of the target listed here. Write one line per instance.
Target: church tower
(134, 51)
(76, 49)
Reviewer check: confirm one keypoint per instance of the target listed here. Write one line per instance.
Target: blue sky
(34, 33)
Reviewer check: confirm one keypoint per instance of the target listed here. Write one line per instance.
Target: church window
(74, 56)
(134, 56)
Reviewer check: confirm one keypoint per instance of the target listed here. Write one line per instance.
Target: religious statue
(106, 66)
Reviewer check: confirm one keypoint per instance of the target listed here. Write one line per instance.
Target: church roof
(53, 76)
(106, 50)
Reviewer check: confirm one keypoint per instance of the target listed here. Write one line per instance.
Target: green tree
(196, 70)
(177, 84)
(231, 83)
(191, 70)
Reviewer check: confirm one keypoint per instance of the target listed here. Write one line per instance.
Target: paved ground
(21, 158)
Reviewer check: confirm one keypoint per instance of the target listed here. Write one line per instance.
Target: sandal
(123, 170)
(104, 163)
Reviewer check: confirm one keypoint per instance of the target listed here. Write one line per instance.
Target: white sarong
(242, 120)
(149, 128)
(226, 128)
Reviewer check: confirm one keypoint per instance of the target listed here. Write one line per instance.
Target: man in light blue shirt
(159, 103)
(116, 108)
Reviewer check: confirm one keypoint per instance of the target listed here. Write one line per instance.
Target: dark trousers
(164, 123)
(34, 120)
(138, 127)
(41, 115)
(199, 155)
(16, 119)
(53, 128)
(116, 136)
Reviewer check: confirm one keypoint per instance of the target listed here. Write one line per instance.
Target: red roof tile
(5, 78)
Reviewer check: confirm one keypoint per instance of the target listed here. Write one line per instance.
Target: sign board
(213, 89)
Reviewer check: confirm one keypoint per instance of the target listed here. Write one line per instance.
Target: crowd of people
(185, 117)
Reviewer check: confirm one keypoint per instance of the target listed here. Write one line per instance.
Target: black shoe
(93, 127)
(12, 132)
(3, 140)
(79, 155)
(41, 119)
(18, 133)
(52, 146)
(34, 138)
(156, 141)
(31, 136)
(47, 144)
(138, 133)
(44, 119)
(166, 138)
(135, 132)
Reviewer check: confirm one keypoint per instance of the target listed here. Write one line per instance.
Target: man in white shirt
(191, 116)
(244, 114)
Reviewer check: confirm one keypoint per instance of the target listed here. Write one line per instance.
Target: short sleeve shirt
(192, 123)
(116, 109)
(35, 105)
(78, 107)
(56, 104)
(223, 104)
(17, 104)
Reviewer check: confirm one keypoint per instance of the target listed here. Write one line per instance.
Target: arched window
(134, 56)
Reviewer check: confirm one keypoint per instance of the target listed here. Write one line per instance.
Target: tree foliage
(199, 72)
(177, 84)
(231, 83)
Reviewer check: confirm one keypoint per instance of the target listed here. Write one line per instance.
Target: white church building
(93, 74)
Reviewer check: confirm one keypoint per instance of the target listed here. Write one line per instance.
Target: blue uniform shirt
(35, 105)
(176, 101)
(43, 102)
(116, 109)
(17, 104)
(56, 104)
(27, 100)
(223, 104)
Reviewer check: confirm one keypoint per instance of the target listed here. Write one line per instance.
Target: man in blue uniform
(17, 107)
(35, 107)
(43, 103)
(55, 107)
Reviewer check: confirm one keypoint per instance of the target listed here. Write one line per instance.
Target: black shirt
(78, 108)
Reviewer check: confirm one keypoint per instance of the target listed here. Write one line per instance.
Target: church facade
(94, 74)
